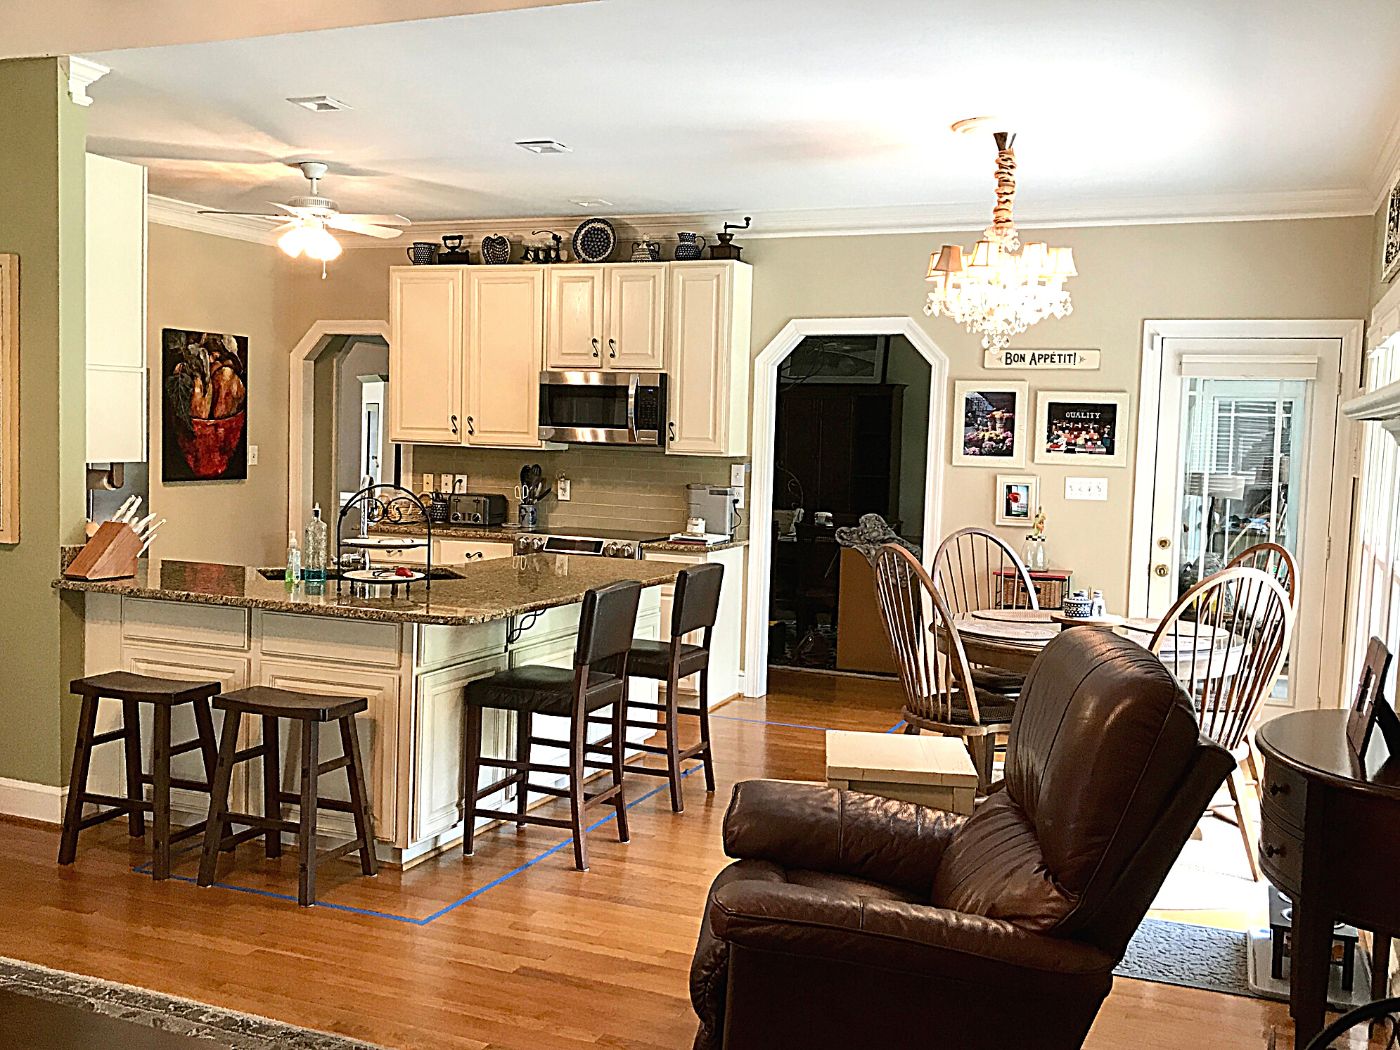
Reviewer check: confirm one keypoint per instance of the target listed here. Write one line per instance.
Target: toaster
(470, 508)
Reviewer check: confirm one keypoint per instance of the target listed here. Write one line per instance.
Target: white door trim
(763, 420)
(300, 391)
(1349, 333)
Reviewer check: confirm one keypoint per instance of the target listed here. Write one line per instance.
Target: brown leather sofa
(853, 921)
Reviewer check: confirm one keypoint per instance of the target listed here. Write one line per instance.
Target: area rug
(1189, 956)
(168, 1013)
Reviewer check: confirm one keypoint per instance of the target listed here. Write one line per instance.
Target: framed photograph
(1081, 427)
(1018, 495)
(1370, 697)
(989, 423)
(9, 398)
(1390, 241)
(204, 386)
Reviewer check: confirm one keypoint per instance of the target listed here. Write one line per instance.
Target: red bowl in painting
(210, 444)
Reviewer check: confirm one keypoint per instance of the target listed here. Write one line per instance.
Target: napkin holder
(111, 554)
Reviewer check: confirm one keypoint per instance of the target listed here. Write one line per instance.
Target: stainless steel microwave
(603, 408)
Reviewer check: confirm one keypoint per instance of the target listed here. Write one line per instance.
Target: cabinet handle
(470, 429)
(671, 430)
(1270, 850)
(612, 347)
(595, 346)
(453, 420)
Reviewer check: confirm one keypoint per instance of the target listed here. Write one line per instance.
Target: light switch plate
(737, 471)
(1087, 488)
(561, 490)
(252, 455)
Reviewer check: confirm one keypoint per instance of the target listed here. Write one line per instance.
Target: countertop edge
(498, 534)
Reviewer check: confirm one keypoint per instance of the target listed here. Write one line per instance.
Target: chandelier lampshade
(1000, 287)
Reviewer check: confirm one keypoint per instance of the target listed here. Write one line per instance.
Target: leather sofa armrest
(818, 828)
(896, 935)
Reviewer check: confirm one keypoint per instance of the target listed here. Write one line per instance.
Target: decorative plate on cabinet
(594, 241)
(495, 249)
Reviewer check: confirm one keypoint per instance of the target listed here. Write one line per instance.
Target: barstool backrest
(606, 625)
(696, 603)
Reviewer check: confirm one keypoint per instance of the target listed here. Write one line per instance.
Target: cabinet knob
(453, 420)
(1278, 789)
(470, 428)
(1270, 850)
(612, 347)
(595, 346)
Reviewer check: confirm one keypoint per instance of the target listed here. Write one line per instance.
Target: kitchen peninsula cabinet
(708, 318)
(426, 354)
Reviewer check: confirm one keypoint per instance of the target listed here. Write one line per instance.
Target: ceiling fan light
(320, 245)
(293, 242)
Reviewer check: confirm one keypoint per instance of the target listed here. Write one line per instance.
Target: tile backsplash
(611, 488)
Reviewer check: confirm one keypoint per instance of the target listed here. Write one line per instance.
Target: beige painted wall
(205, 283)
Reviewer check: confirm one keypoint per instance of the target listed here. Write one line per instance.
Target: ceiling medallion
(1005, 286)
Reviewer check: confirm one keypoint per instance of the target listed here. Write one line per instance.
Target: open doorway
(351, 377)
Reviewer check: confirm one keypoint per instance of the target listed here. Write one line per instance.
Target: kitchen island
(411, 655)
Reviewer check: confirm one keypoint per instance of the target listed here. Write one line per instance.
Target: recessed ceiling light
(319, 103)
(543, 146)
(591, 202)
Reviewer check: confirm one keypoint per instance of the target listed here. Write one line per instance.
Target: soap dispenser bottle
(313, 551)
(293, 571)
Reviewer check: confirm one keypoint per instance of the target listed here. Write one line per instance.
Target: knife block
(109, 555)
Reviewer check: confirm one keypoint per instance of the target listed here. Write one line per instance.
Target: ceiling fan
(307, 221)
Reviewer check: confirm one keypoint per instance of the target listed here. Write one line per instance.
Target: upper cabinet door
(708, 306)
(575, 335)
(426, 354)
(636, 317)
(505, 342)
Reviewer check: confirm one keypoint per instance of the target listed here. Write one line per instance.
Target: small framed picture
(989, 424)
(1017, 497)
(1390, 240)
(1075, 427)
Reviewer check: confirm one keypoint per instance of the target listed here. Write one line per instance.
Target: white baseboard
(21, 798)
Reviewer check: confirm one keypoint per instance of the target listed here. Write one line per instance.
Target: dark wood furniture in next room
(1330, 838)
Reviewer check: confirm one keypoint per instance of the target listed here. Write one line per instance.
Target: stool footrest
(123, 804)
(338, 851)
(101, 818)
(549, 789)
(524, 767)
(189, 832)
(256, 751)
(332, 765)
(527, 818)
(186, 747)
(109, 736)
(292, 798)
(491, 789)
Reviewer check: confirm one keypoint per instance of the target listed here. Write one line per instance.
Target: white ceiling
(804, 113)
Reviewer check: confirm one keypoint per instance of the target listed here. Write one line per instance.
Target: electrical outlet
(252, 455)
(1086, 488)
(739, 499)
(429, 483)
(737, 471)
(561, 490)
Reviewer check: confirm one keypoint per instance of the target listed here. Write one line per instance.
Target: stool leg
(359, 797)
(218, 799)
(208, 743)
(578, 731)
(272, 784)
(471, 774)
(524, 726)
(77, 781)
(160, 792)
(619, 750)
(131, 726)
(673, 757)
(306, 836)
(1380, 965)
(706, 756)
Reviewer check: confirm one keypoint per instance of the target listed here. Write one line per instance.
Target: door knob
(595, 346)
(1160, 570)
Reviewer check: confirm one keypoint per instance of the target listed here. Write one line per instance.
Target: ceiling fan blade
(243, 214)
(377, 220)
(284, 228)
(350, 224)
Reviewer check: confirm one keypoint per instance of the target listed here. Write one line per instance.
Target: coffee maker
(717, 504)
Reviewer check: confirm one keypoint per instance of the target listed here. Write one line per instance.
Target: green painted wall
(41, 220)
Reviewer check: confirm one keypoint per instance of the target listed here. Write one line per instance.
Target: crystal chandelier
(1006, 286)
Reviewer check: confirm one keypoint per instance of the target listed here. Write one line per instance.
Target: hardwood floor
(510, 949)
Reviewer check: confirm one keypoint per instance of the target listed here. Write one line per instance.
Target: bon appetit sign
(1043, 360)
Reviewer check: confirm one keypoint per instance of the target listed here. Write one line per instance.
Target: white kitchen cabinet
(575, 326)
(457, 552)
(726, 640)
(426, 354)
(505, 343)
(116, 311)
(708, 310)
(636, 317)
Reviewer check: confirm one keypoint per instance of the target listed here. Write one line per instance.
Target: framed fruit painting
(204, 385)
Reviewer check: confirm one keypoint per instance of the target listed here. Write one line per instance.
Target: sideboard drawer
(1284, 792)
(1281, 855)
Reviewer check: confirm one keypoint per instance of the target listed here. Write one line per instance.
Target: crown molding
(82, 74)
(1387, 168)
(166, 211)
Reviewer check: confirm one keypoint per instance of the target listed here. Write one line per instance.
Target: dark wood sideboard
(1329, 838)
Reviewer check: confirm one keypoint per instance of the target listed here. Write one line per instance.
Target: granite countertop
(487, 590)
(503, 534)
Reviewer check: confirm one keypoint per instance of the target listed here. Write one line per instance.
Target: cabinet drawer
(1284, 794)
(1281, 854)
(405, 556)
(331, 639)
(184, 623)
(458, 552)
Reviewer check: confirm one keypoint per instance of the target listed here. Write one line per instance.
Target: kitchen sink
(439, 573)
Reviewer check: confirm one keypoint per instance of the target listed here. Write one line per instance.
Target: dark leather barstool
(312, 710)
(694, 608)
(597, 679)
(163, 694)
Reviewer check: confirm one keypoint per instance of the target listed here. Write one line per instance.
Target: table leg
(1311, 967)
(1380, 965)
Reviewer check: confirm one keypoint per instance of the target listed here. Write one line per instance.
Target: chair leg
(471, 774)
(910, 729)
(524, 726)
(160, 793)
(359, 796)
(982, 748)
(131, 744)
(1235, 782)
(578, 732)
(77, 781)
(218, 799)
(704, 705)
(619, 749)
(306, 833)
(272, 784)
(673, 751)
(208, 744)
(1251, 765)
(1380, 964)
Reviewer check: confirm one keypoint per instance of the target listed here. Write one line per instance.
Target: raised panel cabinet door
(636, 306)
(505, 341)
(426, 355)
(699, 374)
(574, 337)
